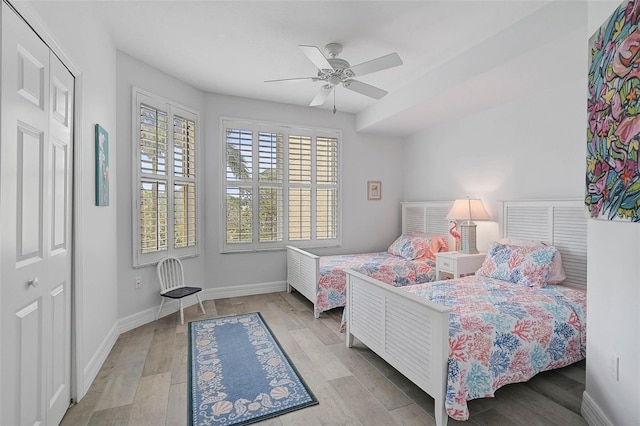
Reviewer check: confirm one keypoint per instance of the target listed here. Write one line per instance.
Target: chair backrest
(170, 274)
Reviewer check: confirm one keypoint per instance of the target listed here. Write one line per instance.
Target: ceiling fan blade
(292, 80)
(315, 55)
(382, 63)
(322, 95)
(364, 89)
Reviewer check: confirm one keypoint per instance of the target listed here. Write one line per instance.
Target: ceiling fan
(333, 71)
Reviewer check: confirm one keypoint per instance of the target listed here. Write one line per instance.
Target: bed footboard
(409, 332)
(303, 273)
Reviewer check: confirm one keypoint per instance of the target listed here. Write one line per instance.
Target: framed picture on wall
(374, 190)
(102, 166)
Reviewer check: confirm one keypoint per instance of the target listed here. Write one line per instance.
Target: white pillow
(556, 271)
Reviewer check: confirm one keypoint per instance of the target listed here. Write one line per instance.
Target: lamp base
(468, 238)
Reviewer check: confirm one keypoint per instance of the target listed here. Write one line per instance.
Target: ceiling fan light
(334, 79)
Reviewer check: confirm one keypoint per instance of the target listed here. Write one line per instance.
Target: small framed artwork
(374, 190)
(102, 166)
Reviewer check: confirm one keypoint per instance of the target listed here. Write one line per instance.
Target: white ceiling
(231, 47)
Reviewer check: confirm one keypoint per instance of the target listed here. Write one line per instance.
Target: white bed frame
(303, 268)
(412, 333)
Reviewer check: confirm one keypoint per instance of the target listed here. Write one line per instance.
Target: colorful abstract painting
(613, 133)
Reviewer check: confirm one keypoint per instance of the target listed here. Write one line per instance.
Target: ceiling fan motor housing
(339, 73)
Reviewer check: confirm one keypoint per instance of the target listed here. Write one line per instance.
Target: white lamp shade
(468, 209)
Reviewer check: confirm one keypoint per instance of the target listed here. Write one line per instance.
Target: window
(281, 186)
(165, 214)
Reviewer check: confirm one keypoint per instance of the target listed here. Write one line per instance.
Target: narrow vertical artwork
(613, 131)
(102, 166)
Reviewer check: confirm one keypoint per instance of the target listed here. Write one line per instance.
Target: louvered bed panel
(561, 223)
(411, 333)
(302, 269)
(369, 310)
(427, 216)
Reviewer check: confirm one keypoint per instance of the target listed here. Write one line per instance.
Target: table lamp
(467, 211)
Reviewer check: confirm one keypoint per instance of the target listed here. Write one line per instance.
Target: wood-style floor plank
(149, 407)
(177, 405)
(144, 378)
(158, 358)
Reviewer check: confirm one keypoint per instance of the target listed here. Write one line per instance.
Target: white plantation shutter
(281, 186)
(184, 210)
(239, 214)
(299, 159)
(270, 178)
(299, 214)
(270, 213)
(153, 217)
(153, 140)
(166, 207)
(271, 157)
(153, 157)
(184, 148)
(184, 173)
(327, 188)
(300, 166)
(239, 154)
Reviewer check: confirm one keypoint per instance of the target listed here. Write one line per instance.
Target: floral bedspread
(388, 268)
(501, 333)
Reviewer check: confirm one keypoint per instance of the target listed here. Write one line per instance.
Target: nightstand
(458, 264)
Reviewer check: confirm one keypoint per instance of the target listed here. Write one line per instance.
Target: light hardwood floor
(144, 379)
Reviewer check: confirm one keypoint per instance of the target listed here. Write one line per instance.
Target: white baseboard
(92, 368)
(141, 318)
(244, 290)
(592, 413)
(144, 317)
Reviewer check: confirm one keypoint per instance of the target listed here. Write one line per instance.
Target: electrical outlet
(137, 282)
(614, 367)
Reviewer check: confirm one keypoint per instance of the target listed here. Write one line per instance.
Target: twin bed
(464, 338)
(322, 279)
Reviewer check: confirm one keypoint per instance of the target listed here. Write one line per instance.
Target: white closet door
(35, 228)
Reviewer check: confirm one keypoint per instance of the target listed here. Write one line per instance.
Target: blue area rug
(239, 374)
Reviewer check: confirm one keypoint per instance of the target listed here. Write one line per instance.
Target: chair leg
(181, 314)
(159, 309)
(200, 302)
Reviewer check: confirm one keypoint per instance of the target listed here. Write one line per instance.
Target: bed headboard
(427, 216)
(561, 223)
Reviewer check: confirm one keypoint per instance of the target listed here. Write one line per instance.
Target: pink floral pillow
(528, 266)
(410, 247)
(556, 273)
(437, 243)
